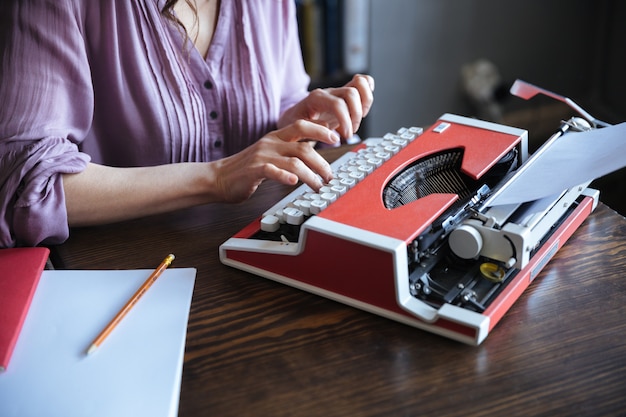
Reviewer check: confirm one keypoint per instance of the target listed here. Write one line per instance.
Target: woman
(119, 109)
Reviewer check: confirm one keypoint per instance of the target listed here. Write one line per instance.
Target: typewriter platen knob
(465, 242)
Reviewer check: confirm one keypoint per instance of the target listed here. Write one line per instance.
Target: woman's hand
(102, 194)
(340, 109)
(285, 155)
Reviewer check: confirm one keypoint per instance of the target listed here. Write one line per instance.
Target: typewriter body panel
(412, 240)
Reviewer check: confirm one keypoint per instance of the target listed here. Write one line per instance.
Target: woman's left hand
(340, 109)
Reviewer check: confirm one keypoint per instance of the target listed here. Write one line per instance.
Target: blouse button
(213, 115)
(218, 143)
(208, 85)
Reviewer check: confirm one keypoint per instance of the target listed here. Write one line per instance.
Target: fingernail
(334, 137)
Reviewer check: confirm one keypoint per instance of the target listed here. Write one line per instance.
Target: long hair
(168, 12)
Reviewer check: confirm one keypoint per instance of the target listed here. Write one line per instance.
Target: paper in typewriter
(572, 159)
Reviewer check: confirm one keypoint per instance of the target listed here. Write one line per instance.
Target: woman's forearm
(102, 194)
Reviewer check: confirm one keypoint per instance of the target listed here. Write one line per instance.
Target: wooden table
(259, 348)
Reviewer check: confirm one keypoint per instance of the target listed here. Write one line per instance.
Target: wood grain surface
(259, 348)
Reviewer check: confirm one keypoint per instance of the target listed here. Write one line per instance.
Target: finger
(272, 172)
(298, 157)
(332, 109)
(315, 166)
(304, 129)
(368, 78)
(358, 98)
(365, 86)
(288, 170)
(301, 159)
(353, 104)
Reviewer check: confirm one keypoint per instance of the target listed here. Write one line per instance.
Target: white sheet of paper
(135, 372)
(572, 159)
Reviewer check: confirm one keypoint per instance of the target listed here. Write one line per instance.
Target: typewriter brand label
(441, 127)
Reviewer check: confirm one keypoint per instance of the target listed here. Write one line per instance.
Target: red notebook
(20, 270)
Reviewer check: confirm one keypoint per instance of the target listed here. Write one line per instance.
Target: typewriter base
(369, 271)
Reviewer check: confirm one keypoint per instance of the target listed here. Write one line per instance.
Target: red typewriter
(406, 229)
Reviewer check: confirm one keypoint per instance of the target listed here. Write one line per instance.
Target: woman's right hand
(285, 155)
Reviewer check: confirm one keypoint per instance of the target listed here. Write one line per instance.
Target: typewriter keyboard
(304, 202)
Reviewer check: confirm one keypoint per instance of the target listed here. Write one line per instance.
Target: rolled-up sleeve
(46, 111)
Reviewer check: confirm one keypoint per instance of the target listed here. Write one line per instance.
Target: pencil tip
(91, 349)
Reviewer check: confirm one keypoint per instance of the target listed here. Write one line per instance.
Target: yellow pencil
(130, 303)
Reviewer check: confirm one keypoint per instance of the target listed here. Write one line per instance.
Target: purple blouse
(114, 82)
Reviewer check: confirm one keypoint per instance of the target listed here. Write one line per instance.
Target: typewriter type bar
(382, 243)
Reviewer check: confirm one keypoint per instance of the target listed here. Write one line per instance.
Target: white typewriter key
(280, 215)
(348, 182)
(357, 175)
(305, 207)
(302, 205)
(270, 223)
(339, 189)
(366, 168)
(383, 155)
(393, 149)
(400, 142)
(343, 169)
(343, 175)
(293, 216)
(376, 162)
(329, 197)
(318, 205)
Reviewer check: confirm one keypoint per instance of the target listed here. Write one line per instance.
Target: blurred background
(431, 57)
